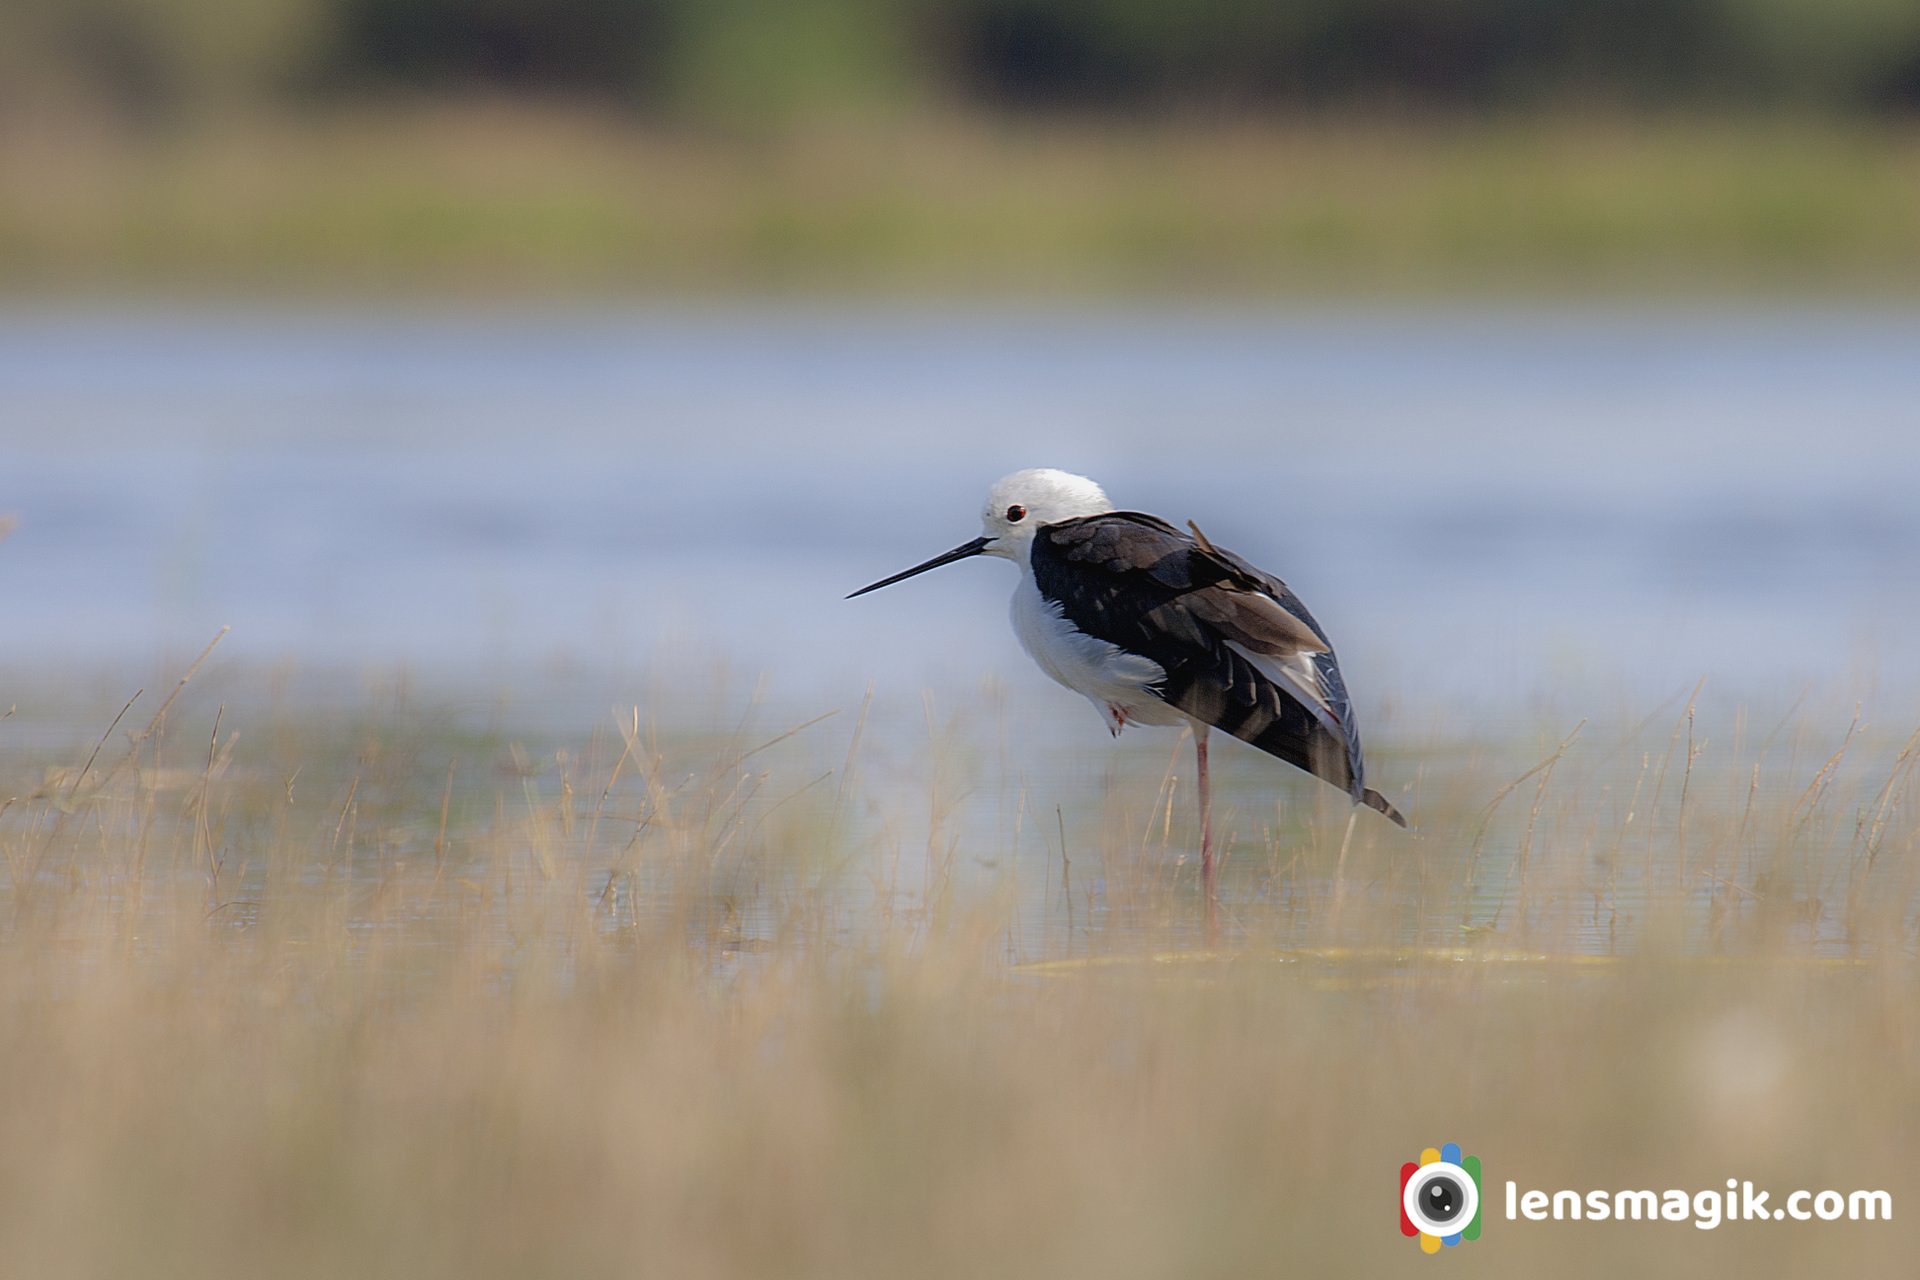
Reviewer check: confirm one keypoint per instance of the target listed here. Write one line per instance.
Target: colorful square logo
(1440, 1197)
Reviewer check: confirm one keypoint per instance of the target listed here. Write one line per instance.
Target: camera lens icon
(1440, 1197)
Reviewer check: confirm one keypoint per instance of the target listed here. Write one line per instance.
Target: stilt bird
(1159, 627)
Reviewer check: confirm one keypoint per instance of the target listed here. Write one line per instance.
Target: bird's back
(1239, 649)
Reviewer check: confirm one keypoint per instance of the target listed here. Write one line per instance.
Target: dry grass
(311, 993)
(515, 200)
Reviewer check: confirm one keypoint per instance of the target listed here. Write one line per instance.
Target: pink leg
(1207, 883)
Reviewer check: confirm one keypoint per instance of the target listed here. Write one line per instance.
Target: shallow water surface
(1480, 504)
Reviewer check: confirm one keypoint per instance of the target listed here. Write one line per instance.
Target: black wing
(1230, 637)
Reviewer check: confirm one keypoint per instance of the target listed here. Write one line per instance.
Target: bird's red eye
(1016, 513)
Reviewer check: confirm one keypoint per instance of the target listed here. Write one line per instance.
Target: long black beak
(960, 552)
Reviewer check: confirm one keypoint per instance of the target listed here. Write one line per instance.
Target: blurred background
(489, 365)
(1547, 349)
(959, 146)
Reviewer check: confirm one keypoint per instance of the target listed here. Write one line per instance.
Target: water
(1489, 508)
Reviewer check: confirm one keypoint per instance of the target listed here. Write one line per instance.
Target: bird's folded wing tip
(1374, 800)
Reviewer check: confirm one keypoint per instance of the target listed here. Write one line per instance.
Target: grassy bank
(525, 201)
(375, 991)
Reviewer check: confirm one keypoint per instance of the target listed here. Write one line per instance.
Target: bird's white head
(1017, 506)
(1022, 502)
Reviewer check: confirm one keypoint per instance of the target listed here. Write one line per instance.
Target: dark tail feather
(1374, 800)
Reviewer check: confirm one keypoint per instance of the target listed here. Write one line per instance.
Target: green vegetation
(535, 146)
(364, 993)
(514, 200)
(759, 60)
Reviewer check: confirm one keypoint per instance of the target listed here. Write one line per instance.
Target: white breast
(1104, 673)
